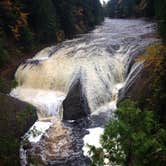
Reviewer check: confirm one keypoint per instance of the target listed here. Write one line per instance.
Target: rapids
(104, 61)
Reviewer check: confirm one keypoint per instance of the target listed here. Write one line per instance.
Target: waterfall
(99, 74)
(48, 102)
(102, 60)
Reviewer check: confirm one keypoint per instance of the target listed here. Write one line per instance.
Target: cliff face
(141, 89)
(16, 118)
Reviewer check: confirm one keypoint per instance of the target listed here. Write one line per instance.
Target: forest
(28, 24)
(137, 134)
(152, 9)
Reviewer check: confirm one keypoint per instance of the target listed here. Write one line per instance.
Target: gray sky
(103, 0)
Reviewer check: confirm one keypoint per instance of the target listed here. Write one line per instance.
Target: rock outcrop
(61, 145)
(139, 88)
(75, 105)
(16, 117)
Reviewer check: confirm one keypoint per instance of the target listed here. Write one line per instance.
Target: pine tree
(133, 138)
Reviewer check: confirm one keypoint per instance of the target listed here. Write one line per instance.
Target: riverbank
(90, 66)
(16, 117)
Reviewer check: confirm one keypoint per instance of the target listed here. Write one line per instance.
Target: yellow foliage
(21, 19)
(143, 4)
(154, 56)
(155, 63)
(7, 4)
(78, 28)
(78, 11)
(60, 36)
(14, 29)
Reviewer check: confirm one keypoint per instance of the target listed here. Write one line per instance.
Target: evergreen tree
(133, 138)
(160, 12)
(65, 9)
(27, 23)
(42, 19)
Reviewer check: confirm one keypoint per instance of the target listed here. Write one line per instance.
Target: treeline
(130, 8)
(139, 8)
(25, 24)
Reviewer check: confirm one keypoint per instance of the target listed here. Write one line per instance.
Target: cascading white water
(48, 102)
(101, 59)
(59, 71)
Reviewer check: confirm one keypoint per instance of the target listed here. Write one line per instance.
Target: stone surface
(61, 145)
(75, 105)
(139, 88)
(16, 117)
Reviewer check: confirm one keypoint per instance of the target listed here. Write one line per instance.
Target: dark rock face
(16, 118)
(138, 89)
(75, 105)
(132, 59)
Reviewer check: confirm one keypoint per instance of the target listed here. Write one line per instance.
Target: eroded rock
(60, 146)
(75, 105)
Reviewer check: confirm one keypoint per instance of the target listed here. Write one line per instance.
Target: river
(78, 79)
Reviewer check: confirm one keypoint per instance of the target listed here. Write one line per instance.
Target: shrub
(155, 65)
(133, 138)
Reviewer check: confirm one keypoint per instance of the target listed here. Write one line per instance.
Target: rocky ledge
(16, 117)
(61, 145)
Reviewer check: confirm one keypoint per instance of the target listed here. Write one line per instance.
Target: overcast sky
(103, 0)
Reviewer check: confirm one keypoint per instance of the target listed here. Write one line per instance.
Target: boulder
(75, 105)
(16, 117)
